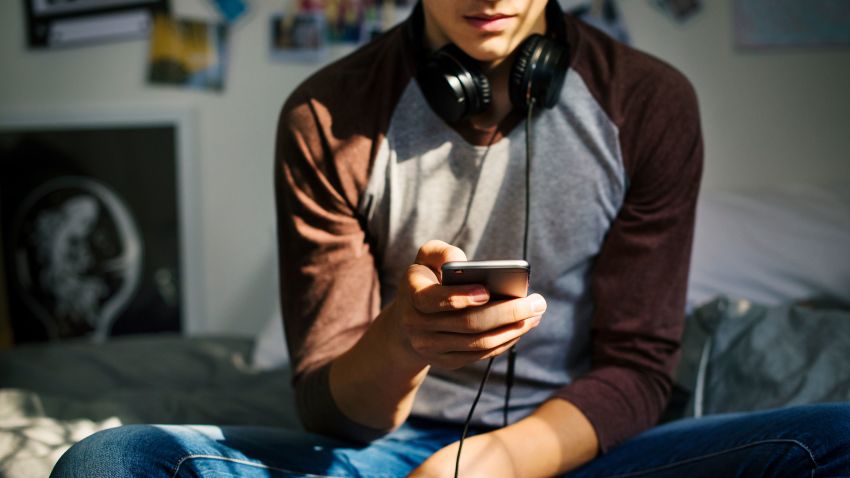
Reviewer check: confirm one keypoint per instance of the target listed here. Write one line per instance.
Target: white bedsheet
(772, 246)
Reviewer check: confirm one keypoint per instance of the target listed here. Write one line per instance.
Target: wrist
(374, 383)
(554, 439)
(390, 336)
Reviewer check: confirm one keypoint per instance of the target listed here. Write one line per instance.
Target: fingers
(452, 326)
(444, 342)
(459, 359)
(434, 298)
(428, 296)
(423, 281)
(456, 359)
(433, 254)
(487, 317)
(452, 350)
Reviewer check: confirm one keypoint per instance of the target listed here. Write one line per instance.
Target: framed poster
(6, 337)
(53, 23)
(97, 214)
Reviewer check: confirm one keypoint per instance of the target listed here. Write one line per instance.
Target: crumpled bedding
(738, 356)
(53, 396)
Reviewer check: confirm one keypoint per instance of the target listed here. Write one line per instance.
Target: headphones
(456, 87)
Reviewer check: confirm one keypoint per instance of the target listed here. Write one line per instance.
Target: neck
(498, 73)
(500, 106)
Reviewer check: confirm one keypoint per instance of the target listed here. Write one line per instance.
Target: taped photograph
(188, 53)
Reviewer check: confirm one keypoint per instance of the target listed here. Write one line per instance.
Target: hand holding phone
(504, 279)
(444, 317)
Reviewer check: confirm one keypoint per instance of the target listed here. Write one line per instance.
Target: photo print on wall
(188, 53)
(305, 30)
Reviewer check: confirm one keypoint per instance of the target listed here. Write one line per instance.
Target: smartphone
(503, 279)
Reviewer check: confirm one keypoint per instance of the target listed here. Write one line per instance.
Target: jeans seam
(242, 462)
(718, 453)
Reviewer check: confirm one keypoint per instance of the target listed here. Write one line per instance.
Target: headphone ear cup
(454, 84)
(519, 88)
(538, 72)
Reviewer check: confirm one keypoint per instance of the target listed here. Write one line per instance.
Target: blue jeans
(794, 442)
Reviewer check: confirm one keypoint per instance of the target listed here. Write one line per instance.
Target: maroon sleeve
(329, 285)
(328, 132)
(639, 278)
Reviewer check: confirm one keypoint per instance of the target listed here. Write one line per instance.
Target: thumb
(433, 254)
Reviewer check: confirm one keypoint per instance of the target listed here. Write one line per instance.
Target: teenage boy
(403, 156)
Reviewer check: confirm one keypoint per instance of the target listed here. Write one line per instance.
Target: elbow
(319, 414)
(333, 424)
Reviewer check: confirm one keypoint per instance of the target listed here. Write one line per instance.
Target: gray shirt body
(429, 183)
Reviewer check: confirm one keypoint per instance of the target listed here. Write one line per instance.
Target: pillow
(772, 246)
(270, 350)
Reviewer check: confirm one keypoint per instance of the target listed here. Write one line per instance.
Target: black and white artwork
(90, 231)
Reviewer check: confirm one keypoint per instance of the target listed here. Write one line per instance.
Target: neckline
(487, 136)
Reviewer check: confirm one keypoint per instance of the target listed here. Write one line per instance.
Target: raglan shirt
(366, 172)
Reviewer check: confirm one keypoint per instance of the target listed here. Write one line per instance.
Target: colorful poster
(188, 53)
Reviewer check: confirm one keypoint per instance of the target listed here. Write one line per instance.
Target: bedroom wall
(769, 118)
(234, 140)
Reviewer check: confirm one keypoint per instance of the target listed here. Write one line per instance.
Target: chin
(493, 50)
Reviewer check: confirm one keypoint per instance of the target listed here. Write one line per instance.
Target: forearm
(374, 383)
(554, 439)
(619, 401)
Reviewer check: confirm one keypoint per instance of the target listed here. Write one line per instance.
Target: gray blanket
(53, 396)
(738, 356)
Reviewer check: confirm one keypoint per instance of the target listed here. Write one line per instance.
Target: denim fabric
(176, 450)
(792, 442)
(804, 441)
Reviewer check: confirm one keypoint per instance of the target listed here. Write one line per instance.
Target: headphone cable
(509, 379)
(469, 416)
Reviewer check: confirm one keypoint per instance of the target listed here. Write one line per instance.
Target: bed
(53, 396)
(768, 324)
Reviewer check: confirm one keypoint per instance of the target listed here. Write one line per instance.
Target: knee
(131, 450)
(831, 420)
(827, 433)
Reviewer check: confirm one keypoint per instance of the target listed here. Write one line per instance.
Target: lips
(489, 23)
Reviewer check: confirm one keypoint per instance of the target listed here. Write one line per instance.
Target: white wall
(234, 131)
(768, 118)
